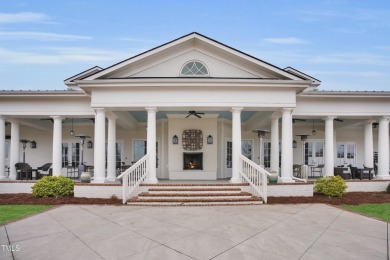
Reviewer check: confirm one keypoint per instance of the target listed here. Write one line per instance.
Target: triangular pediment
(166, 61)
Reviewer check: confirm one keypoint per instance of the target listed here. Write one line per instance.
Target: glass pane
(319, 150)
(340, 151)
(139, 149)
(65, 151)
(246, 148)
(194, 68)
(75, 154)
(229, 152)
(351, 151)
(6, 150)
(267, 154)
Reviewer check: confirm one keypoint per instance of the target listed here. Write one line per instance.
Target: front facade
(194, 105)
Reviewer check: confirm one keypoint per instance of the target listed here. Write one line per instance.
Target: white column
(368, 145)
(275, 144)
(329, 147)
(383, 149)
(111, 151)
(2, 148)
(99, 150)
(287, 149)
(57, 145)
(14, 150)
(236, 144)
(151, 144)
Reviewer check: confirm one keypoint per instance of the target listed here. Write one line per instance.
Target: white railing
(255, 175)
(133, 177)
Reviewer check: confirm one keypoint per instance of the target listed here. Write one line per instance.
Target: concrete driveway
(305, 231)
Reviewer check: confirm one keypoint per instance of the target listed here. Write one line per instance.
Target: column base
(382, 177)
(111, 179)
(235, 180)
(151, 181)
(285, 180)
(98, 180)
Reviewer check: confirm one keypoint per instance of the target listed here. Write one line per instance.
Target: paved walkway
(306, 231)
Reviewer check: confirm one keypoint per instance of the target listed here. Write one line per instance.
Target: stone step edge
(146, 194)
(135, 199)
(196, 204)
(194, 189)
(189, 184)
(198, 198)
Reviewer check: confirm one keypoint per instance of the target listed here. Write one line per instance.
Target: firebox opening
(192, 161)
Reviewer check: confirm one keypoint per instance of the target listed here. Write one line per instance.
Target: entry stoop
(194, 195)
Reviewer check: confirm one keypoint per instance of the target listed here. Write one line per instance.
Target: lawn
(380, 211)
(13, 212)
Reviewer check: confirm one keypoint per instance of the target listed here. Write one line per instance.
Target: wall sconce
(295, 144)
(89, 144)
(33, 145)
(209, 139)
(175, 139)
(71, 131)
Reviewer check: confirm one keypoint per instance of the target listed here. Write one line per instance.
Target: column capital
(286, 110)
(329, 118)
(13, 120)
(384, 118)
(111, 115)
(57, 117)
(369, 122)
(236, 109)
(99, 110)
(151, 109)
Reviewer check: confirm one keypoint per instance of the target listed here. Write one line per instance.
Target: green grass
(13, 212)
(380, 211)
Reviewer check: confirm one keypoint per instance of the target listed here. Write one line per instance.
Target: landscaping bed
(351, 198)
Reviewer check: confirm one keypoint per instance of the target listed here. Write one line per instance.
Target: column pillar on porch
(287, 149)
(2, 148)
(111, 148)
(236, 144)
(368, 145)
(383, 149)
(275, 144)
(329, 147)
(151, 144)
(14, 149)
(99, 151)
(57, 145)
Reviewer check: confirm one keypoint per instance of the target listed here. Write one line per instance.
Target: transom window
(194, 68)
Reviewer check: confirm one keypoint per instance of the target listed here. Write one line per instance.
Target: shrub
(53, 186)
(388, 188)
(333, 186)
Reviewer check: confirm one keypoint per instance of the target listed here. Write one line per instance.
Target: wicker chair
(44, 170)
(23, 170)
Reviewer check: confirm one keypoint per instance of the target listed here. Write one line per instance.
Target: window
(346, 153)
(6, 150)
(65, 160)
(140, 150)
(194, 68)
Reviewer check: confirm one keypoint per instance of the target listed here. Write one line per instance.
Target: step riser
(195, 204)
(195, 198)
(194, 191)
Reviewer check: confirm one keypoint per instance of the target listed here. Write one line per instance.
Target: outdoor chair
(297, 170)
(360, 171)
(342, 172)
(317, 169)
(23, 171)
(44, 170)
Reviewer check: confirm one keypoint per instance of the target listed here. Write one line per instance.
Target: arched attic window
(194, 68)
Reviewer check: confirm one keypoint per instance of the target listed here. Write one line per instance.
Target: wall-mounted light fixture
(175, 139)
(295, 144)
(89, 144)
(210, 139)
(33, 145)
(71, 131)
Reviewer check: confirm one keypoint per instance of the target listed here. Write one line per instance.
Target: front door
(346, 153)
(314, 152)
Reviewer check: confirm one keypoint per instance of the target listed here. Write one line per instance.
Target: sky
(343, 43)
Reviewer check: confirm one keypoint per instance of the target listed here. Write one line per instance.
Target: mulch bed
(351, 198)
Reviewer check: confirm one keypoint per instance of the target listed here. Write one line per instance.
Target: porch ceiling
(141, 116)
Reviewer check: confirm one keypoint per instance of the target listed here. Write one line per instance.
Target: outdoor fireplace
(192, 161)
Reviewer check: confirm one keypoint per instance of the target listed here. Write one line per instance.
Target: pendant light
(71, 131)
(314, 131)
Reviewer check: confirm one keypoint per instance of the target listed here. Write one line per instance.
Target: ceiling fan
(294, 120)
(194, 113)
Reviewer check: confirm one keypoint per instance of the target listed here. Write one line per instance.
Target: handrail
(133, 177)
(255, 175)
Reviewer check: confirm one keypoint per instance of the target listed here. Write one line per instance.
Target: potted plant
(273, 178)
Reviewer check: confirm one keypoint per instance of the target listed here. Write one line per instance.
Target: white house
(195, 105)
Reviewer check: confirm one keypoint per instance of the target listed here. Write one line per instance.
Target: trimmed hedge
(333, 186)
(388, 188)
(53, 186)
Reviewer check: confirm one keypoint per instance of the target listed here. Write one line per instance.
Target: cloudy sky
(343, 43)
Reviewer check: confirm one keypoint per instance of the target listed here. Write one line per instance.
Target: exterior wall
(15, 187)
(208, 125)
(288, 190)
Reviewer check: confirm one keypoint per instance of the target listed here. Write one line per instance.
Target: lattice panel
(192, 140)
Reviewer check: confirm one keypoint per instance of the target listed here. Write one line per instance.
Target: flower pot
(273, 178)
(85, 177)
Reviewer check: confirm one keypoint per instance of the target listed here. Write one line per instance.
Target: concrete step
(146, 195)
(194, 204)
(170, 190)
(195, 200)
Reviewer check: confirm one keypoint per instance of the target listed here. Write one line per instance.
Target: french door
(314, 152)
(346, 153)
